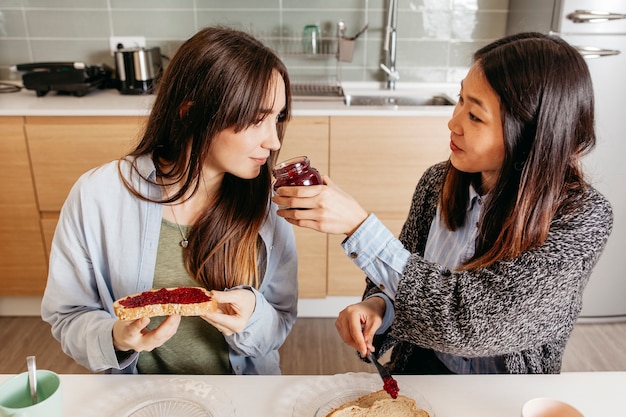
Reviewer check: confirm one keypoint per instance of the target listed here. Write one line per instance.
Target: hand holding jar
(321, 206)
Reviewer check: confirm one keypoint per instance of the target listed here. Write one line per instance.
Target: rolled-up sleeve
(378, 253)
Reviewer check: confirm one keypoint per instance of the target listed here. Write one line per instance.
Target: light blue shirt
(383, 258)
(451, 249)
(105, 247)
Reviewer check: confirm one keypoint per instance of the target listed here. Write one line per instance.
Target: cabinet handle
(590, 52)
(594, 16)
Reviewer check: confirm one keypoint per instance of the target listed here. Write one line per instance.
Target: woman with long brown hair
(488, 273)
(189, 206)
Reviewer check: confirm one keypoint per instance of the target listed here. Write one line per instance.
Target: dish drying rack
(317, 90)
(340, 47)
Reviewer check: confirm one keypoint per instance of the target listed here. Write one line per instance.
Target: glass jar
(295, 171)
(311, 39)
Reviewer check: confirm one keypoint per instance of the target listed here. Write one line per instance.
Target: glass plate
(167, 407)
(319, 396)
(168, 397)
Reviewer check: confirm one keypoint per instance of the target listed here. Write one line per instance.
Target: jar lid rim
(291, 161)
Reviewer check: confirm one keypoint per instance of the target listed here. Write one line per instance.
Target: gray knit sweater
(523, 309)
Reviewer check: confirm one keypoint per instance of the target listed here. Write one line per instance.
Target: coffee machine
(137, 70)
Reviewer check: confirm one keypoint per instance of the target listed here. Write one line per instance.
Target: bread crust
(164, 309)
(379, 403)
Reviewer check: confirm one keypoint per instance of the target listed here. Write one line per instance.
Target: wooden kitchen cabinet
(22, 254)
(309, 136)
(62, 148)
(379, 160)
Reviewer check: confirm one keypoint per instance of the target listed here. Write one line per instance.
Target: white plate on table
(320, 395)
(173, 397)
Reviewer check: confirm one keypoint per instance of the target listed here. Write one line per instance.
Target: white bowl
(548, 407)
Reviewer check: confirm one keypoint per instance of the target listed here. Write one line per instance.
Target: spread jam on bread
(391, 386)
(379, 404)
(182, 301)
(181, 295)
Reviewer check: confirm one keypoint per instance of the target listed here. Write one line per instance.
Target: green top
(197, 347)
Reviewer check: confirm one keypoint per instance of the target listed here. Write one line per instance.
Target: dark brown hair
(547, 108)
(227, 75)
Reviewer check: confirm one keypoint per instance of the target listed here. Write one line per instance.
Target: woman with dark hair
(488, 273)
(189, 206)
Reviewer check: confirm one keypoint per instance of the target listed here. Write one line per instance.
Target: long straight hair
(547, 107)
(226, 75)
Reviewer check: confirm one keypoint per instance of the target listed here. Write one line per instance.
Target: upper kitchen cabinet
(23, 259)
(379, 160)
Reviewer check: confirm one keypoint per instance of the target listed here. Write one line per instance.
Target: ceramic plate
(320, 396)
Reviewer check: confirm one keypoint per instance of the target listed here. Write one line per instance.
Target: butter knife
(389, 383)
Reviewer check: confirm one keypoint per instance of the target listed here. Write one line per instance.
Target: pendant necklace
(185, 242)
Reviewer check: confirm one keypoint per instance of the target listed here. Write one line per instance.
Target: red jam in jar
(296, 171)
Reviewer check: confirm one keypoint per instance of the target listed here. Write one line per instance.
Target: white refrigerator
(598, 29)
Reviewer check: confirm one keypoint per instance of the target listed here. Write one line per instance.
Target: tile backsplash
(435, 38)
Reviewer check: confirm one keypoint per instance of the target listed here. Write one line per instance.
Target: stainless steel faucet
(390, 45)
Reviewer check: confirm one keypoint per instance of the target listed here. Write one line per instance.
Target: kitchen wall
(435, 37)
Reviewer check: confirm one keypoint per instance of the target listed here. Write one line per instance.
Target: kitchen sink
(398, 100)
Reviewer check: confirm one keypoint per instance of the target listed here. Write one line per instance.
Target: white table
(600, 394)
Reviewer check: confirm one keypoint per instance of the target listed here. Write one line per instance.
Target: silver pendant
(184, 243)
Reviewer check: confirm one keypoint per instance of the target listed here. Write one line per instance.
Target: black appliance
(72, 78)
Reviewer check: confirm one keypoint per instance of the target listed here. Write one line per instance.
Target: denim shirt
(105, 247)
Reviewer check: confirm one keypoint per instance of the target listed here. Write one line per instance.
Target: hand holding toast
(234, 309)
(134, 334)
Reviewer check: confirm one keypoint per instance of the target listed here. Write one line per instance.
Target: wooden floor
(312, 348)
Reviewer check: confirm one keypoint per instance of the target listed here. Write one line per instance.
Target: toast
(182, 301)
(379, 404)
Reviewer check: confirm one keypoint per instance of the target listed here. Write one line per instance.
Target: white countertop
(111, 103)
(593, 393)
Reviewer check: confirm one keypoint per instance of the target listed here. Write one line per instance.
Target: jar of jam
(296, 171)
